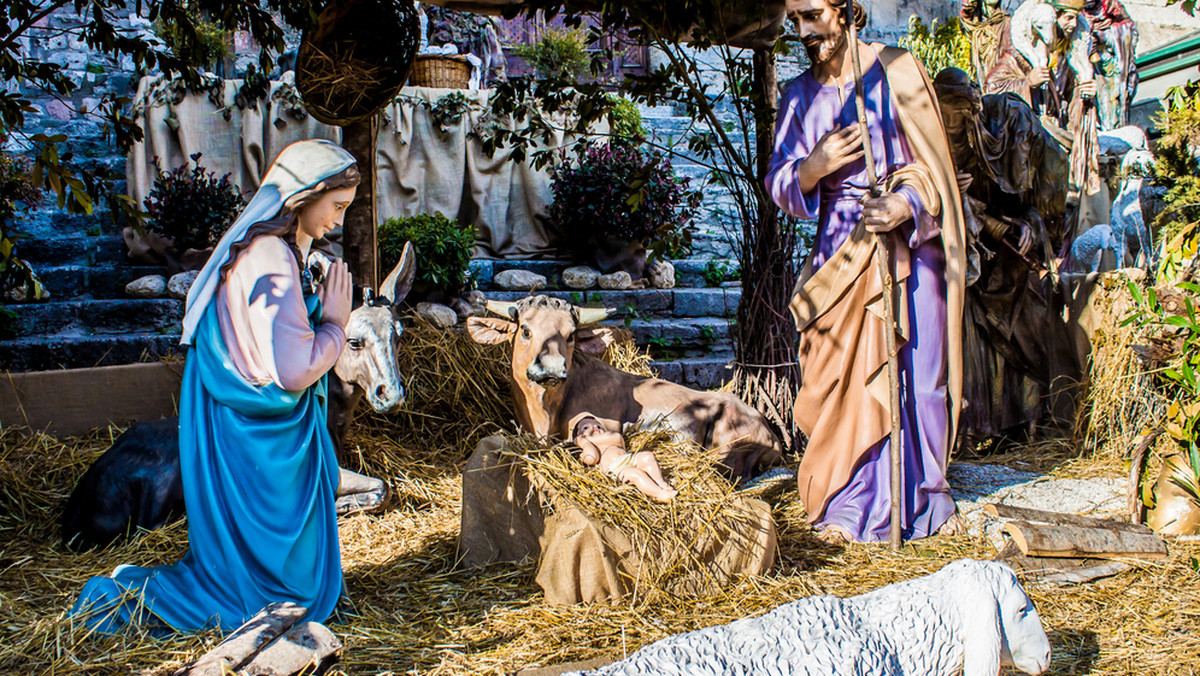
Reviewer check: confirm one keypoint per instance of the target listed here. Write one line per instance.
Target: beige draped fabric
(422, 167)
(842, 403)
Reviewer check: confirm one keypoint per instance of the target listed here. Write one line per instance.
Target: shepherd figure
(818, 171)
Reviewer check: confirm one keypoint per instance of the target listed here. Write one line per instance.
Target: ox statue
(136, 483)
(555, 379)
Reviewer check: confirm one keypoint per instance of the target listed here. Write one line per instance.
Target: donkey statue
(136, 483)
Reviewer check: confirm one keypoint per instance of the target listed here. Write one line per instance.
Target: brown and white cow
(555, 378)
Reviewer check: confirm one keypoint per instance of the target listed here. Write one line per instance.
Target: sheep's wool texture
(911, 628)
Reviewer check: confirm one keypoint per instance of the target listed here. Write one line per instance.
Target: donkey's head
(369, 361)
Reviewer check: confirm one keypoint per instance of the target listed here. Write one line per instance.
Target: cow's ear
(490, 330)
(594, 339)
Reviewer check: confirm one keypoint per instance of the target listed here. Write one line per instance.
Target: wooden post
(359, 241)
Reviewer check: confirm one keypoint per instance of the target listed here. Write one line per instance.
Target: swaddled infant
(607, 449)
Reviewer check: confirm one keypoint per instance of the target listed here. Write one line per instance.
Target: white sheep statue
(970, 617)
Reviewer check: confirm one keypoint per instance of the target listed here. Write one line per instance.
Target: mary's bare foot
(833, 535)
(955, 525)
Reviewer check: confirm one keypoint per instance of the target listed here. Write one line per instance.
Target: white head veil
(299, 167)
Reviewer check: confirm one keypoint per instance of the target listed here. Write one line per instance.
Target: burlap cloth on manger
(596, 539)
(429, 155)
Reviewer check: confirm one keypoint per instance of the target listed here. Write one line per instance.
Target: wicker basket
(436, 70)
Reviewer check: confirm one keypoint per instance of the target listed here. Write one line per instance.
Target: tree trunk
(359, 236)
(765, 347)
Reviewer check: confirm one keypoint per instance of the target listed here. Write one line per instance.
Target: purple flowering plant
(619, 192)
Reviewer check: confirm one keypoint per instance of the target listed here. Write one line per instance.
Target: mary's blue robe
(259, 478)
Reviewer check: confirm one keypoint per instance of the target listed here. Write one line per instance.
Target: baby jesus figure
(607, 449)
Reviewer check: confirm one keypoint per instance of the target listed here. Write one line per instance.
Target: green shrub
(1177, 169)
(626, 120)
(191, 207)
(559, 55)
(443, 248)
(938, 47)
(18, 281)
(200, 48)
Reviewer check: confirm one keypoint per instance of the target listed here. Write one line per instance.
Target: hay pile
(413, 611)
(1122, 400)
(664, 536)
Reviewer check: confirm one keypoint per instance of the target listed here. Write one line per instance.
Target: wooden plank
(246, 640)
(1056, 570)
(1040, 516)
(308, 648)
(74, 401)
(1077, 541)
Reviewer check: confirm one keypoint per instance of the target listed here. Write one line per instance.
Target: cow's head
(372, 334)
(545, 332)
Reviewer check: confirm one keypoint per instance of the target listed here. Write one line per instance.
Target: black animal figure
(136, 483)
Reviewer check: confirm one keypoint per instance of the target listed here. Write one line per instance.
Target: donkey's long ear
(398, 282)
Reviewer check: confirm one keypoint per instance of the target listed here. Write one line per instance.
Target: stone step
(73, 250)
(67, 282)
(667, 336)
(647, 303)
(42, 353)
(689, 272)
(96, 317)
(703, 373)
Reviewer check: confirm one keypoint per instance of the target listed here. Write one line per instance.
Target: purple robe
(808, 110)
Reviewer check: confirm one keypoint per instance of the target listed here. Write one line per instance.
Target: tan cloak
(842, 403)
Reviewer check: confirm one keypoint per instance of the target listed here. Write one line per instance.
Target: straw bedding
(413, 611)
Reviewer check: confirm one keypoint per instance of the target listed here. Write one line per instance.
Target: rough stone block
(699, 303)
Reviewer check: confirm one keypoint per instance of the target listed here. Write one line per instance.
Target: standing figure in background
(1114, 43)
(817, 170)
(257, 462)
(987, 27)
(1050, 67)
(1023, 356)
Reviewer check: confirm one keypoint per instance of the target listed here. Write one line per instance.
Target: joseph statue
(817, 171)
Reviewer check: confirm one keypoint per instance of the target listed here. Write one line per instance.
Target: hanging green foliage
(938, 46)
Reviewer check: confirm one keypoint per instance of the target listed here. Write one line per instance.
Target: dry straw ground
(414, 611)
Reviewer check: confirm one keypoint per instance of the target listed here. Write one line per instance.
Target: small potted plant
(188, 210)
(618, 204)
(559, 55)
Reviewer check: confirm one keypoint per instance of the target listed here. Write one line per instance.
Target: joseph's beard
(822, 48)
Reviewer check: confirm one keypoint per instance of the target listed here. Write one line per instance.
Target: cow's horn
(591, 315)
(502, 308)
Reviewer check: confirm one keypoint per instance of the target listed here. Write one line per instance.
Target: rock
(473, 304)
(150, 286)
(661, 275)
(437, 314)
(580, 277)
(178, 285)
(616, 281)
(519, 280)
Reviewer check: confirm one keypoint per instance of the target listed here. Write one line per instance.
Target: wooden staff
(885, 275)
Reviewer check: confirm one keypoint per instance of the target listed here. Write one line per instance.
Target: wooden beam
(1077, 541)
(359, 238)
(1037, 515)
